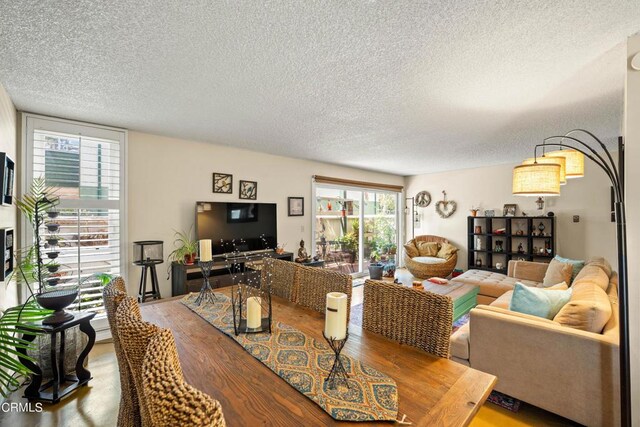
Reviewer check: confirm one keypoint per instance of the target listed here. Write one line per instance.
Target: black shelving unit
(518, 230)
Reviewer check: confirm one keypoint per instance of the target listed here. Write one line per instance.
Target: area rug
(304, 363)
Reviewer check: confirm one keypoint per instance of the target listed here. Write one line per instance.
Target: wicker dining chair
(173, 402)
(129, 412)
(414, 317)
(313, 284)
(281, 276)
(134, 338)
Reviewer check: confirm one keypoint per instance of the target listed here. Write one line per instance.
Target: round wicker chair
(424, 270)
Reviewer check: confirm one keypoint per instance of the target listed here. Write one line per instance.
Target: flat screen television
(237, 226)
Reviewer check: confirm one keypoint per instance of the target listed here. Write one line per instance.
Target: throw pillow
(428, 248)
(446, 251)
(557, 272)
(411, 250)
(539, 302)
(589, 308)
(598, 261)
(577, 265)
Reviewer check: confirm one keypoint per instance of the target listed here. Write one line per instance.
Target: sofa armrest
(527, 270)
(567, 371)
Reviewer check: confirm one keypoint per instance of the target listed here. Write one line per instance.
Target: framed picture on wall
(296, 206)
(248, 190)
(222, 183)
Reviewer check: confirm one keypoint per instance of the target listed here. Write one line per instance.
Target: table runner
(304, 363)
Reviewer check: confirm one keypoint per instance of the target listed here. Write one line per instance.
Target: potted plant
(185, 248)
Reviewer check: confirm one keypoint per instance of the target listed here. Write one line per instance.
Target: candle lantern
(250, 299)
(335, 332)
(148, 254)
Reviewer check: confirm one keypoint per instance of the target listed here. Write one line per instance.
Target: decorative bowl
(57, 301)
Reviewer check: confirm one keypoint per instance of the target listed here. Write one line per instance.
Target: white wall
(632, 135)
(8, 293)
(490, 187)
(166, 176)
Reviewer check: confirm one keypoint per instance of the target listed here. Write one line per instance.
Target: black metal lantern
(148, 254)
(250, 294)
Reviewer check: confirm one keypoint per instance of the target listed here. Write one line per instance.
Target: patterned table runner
(304, 363)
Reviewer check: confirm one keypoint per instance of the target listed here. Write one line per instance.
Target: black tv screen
(237, 226)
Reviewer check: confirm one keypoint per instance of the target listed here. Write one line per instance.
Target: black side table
(37, 392)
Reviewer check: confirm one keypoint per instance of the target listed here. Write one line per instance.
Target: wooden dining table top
(432, 391)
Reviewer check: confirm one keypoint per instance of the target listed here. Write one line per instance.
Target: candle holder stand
(206, 292)
(337, 374)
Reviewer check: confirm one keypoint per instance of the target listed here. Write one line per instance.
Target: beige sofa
(567, 371)
(493, 285)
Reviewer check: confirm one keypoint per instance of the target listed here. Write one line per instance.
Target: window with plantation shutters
(84, 164)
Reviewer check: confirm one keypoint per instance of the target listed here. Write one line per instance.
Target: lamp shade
(546, 159)
(575, 162)
(538, 179)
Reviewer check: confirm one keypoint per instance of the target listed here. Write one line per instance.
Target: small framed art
(296, 206)
(509, 210)
(222, 183)
(248, 190)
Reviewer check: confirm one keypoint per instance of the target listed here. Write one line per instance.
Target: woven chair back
(173, 402)
(129, 411)
(134, 338)
(417, 318)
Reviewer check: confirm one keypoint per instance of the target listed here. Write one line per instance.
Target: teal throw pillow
(539, 302)
(575, 263)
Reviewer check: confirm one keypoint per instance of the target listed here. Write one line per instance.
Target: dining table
(432, 391)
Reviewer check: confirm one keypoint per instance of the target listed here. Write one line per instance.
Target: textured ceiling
(401, 86)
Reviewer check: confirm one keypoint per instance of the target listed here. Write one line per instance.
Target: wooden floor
(97, 404)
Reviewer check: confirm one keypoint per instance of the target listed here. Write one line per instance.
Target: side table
(57, 385)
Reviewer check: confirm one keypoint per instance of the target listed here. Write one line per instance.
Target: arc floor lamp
(542, 176)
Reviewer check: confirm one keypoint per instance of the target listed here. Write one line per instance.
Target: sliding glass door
(354, 226)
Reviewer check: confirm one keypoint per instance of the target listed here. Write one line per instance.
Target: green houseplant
(185, 246)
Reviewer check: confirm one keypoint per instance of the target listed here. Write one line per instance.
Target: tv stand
(188, 278)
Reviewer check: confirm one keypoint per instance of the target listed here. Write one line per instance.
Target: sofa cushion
(428, 248)
(491, 284)
(588, 309)
(577, 265)
(459, 343)
(602, 263)
(411, 250)
(428, 260)
(527, 270)
(446, 251)
(557, 272)
(593, 274)
(541, 302)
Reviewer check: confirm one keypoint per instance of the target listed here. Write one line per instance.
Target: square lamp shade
(536, 180)
(575, 162)
(561, 160)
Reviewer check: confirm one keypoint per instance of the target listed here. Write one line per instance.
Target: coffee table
(463, 295)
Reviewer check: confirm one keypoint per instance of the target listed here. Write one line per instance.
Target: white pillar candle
(335, 322)
(205, 250)
(254, 312)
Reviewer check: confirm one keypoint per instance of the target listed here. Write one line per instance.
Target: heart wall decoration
(446, 208)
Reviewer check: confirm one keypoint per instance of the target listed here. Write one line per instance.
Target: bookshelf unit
(518, 230)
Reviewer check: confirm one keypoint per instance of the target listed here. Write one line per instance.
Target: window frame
(32, 121)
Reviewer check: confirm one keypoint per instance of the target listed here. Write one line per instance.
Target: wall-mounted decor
(7, 173)
(248, 190)
(445, 208)
(423, 199)
(222, 183)
(296, 206)
(6, 246)
(509, 210)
